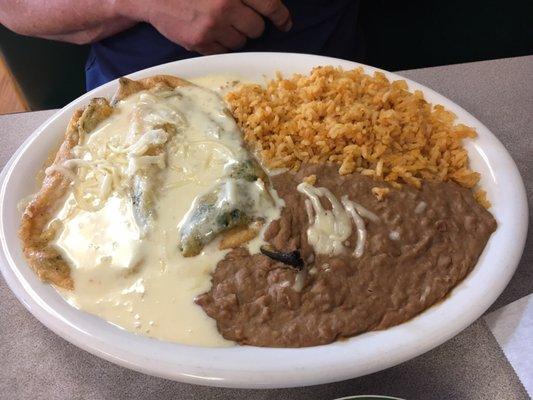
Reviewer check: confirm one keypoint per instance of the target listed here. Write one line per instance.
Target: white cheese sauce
(133, 277)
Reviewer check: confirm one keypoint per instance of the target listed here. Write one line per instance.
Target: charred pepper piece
(290, 258)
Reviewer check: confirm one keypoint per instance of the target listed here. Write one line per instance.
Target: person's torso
(326, 27)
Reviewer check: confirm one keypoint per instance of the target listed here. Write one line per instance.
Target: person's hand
(208, 26)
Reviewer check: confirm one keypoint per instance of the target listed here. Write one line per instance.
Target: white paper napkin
(512, 326)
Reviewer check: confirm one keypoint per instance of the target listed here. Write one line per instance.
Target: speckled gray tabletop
(37, 364)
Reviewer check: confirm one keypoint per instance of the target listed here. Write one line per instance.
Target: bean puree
(424, 243)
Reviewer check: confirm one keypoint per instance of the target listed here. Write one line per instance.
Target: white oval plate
(253, 367)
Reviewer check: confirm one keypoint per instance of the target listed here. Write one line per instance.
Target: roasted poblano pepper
(229, 204)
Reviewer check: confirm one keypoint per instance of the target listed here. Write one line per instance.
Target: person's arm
(79, 22)
(205, 26)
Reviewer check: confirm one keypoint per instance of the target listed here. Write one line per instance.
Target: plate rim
(239, 377)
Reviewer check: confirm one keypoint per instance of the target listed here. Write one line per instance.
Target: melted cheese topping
(123, 253)
(329, 229)
(359, 225)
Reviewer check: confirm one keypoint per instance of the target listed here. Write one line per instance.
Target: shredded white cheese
(359, 224)
(421, 207)
(309, 210)
(394, 235)
(330, 228)
(365, 213)
(299, 281)
(153, 137)
(139, 162)
(67, 173)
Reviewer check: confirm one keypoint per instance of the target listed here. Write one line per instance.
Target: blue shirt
(326, 27)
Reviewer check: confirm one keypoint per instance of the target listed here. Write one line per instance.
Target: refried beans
(424, 243)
